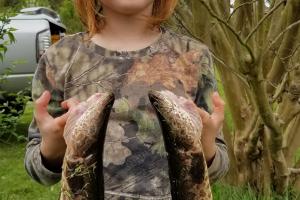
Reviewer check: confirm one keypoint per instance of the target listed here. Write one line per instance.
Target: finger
(69, 103)
(218, 108)
(74, 109)
(61, 120)
(205, 116)
(40, 107)
(217, 101)
(75, 112)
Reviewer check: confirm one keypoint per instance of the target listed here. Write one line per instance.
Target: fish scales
(181, 127)
(82, 175)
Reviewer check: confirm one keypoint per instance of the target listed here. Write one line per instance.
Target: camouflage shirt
(135, 163)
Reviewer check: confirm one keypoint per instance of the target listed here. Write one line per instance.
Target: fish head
(87, 123)
(179, 119)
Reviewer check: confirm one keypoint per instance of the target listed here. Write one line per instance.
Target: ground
(15, 184)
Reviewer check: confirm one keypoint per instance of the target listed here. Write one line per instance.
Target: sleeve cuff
(215, 163)
(37, 170)
(216, 167)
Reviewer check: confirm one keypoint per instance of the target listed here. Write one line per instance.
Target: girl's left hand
(212, 125)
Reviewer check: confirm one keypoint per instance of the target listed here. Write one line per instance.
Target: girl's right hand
(53, 145)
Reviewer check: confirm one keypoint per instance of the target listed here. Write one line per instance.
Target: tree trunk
(255, 49)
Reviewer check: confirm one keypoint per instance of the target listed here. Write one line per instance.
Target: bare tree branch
(216, 58)
(282, 33)
(186, 28)
(293, 53)
(238, 7)
(242, 77)
(211, 12)
(295, 171)
(263, 19)
(280, 88)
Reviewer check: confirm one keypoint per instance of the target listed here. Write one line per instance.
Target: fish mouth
(167, 103)
(179, 123)
(181, 130)
(98, 108)
(154, 97)
(88, 124)
(107, 97)
(104, 99)
(160, 100)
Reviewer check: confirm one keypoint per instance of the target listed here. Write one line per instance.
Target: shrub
(11, 104)
(70, 17)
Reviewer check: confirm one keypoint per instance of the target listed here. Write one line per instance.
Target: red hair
(90, 13)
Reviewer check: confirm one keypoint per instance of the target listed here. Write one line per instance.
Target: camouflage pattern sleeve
(47, 77)
(206, 86)
(33, 159)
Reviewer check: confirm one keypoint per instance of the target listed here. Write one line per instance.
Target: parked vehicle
(37, 29)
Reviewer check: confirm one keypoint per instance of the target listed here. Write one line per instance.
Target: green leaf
(4, 49)
(11, 37)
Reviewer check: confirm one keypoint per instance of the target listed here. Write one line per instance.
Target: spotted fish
(82, 176)
(182, 127)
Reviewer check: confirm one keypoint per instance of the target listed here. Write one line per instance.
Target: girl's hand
(51, 129)
(212, 125)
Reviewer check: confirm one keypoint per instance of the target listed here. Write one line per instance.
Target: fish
(82, 173)
(84, 133)
(181, 128)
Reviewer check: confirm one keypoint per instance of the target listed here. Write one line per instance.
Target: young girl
(125, 50)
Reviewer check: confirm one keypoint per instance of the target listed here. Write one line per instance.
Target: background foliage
(255, 46)
(65, 9)
(69, 17)
(12, 105)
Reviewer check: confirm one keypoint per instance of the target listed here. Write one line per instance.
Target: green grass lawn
(15, 184)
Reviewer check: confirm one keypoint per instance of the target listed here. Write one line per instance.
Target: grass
(15, 184)
(25, 120)
(226, 192)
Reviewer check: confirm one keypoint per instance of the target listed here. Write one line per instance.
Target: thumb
(40, 107)
(218, 107)
(61, 120)
(205, 116)
(69, 104)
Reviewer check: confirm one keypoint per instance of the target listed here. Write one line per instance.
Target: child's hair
(89, 12)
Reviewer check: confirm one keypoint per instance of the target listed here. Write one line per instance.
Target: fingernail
(215, 94)
(46, 92)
